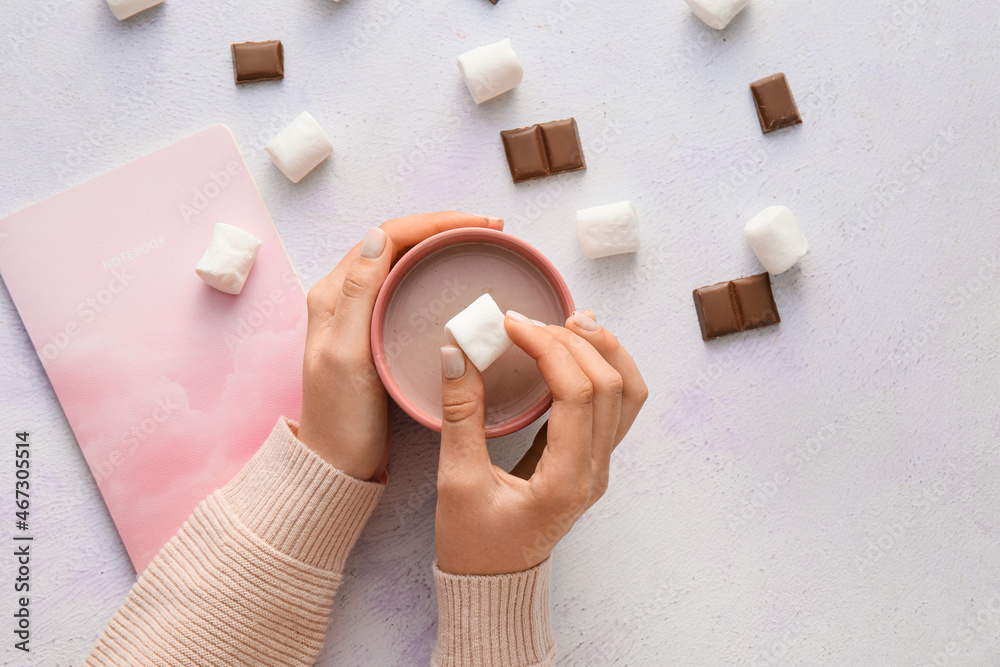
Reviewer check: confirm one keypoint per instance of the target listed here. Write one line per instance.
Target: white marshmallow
(122, 9)
(490, 70)
(776, 239)
(479, 331)
(300, 147)
(608, 230)
(717, 13)
(228, 259)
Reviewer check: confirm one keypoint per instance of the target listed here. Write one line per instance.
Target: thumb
(463, 417)
(353, 314)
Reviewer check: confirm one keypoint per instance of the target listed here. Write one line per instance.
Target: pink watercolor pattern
(169, 386)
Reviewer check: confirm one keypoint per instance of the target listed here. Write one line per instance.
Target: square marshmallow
(300, 147)
(776, 239)
(608, 230)
(228, 259)
(490, 70)
(122, 9)
(479, 331)
(717, 13)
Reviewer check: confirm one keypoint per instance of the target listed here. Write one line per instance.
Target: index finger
(634, 391)
(566, 461)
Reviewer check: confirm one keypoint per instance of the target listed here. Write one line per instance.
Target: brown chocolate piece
(543, 150)
(775, 105)
(258, 61)
(734, 306)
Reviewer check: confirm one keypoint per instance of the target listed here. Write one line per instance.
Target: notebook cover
(169, 385)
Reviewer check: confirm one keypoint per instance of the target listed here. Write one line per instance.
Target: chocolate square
(543, 150)
(715, 311)
(737, 305)
(755, 301)
(562, 145)
(775, 105)
(525, 153)
(258, 61)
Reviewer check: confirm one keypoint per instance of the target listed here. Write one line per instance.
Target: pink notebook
(169, 386)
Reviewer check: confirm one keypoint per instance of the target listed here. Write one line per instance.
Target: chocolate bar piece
(734, 306)
(775, 105)
(258, 61)
(543, 150)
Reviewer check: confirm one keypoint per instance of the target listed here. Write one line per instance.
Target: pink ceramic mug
(435, 280)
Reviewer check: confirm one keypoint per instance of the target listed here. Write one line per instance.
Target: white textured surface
(823, 492)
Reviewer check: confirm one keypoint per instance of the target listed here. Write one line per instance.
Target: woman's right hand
(490, 521)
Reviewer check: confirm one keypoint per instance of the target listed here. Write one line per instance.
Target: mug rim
(418, 253)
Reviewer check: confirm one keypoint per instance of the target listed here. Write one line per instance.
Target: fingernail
(538, 324)
(374, 243)
(518, 317)
(585, 322)
(452, 362)
(494, 221)
(590, 312)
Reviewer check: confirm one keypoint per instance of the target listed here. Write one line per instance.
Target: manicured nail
(518, 317)
(537, 323)
(374, 243)
(585, 322)
(452, 362)
(590, 312)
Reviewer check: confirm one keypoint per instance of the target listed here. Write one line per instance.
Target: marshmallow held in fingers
(300, 147)
(490, 70)
(717, 13)
(608, 230)
(122, 9)
(480, 332)
(228, 259)
(776, 239)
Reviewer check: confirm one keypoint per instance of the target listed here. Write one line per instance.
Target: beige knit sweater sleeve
(249, 578)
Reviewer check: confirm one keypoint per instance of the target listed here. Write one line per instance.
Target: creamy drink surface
(439, 287)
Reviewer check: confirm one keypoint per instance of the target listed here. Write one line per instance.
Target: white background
(823, 492)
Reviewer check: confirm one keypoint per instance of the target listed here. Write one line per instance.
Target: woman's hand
(345, 410)
(492, 522)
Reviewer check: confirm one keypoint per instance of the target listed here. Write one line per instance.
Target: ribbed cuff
(501, 620)
(300, 504)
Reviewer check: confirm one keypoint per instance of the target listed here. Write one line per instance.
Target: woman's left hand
(345, 409)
